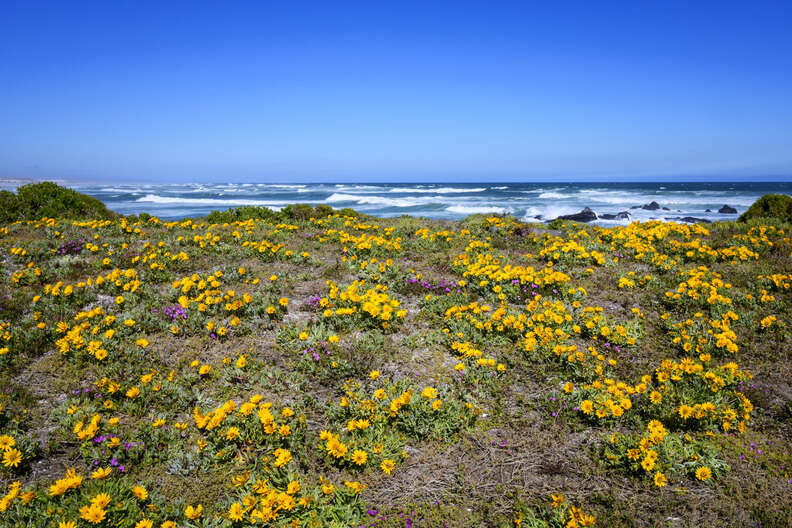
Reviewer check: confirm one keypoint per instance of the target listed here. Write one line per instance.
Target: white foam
(550, 212)
(153, 198)
(476, 209)
(119, 190)
(553, 196)
(438, 190)
(376, 200)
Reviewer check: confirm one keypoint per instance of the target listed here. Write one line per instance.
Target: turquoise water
(450, 201)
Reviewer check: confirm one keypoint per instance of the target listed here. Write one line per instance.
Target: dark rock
(624, 215)
(689, 220)
(707, 210)
(586, 215)
(666, 209)
(635, 207)
(654, 206)
(727, 210)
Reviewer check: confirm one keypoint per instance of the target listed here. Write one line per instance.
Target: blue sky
(402, 91)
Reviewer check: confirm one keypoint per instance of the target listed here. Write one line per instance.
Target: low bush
(770, 206)
(37, 200)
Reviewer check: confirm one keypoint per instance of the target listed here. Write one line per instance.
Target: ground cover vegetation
(321, 368)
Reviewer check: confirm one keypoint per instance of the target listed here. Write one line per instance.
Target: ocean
(528, 201)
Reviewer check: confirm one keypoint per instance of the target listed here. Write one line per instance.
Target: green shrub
(323, 210)
(770, 206)
(36, 200)
(298, 212)
(242, 213)
(346, 211)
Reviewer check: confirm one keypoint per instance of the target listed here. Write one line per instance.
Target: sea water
(527, 201)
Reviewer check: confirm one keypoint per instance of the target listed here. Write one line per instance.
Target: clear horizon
(559, 181)
(453, 92)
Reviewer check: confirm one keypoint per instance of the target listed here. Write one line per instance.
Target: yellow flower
(101, 500)
(703, 473)
(660, 480)
(193, 513)
(359, 457)
(144, 523)
(558, 500)
(140, 492)
(236, 512)
(283, 301)
(133, 392)
(335, 447)
(119, 300)
(7, 442)
(232, 433)
(101, 473)
(437, 404)
(93, 514)
(387, 466)
(303, 336)
(374, 374)
(12, 457)
(355, 486)
(429, 393)
(142, 343)
(204, 370)
(241, 362)
(67, 524)
(282, 457)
